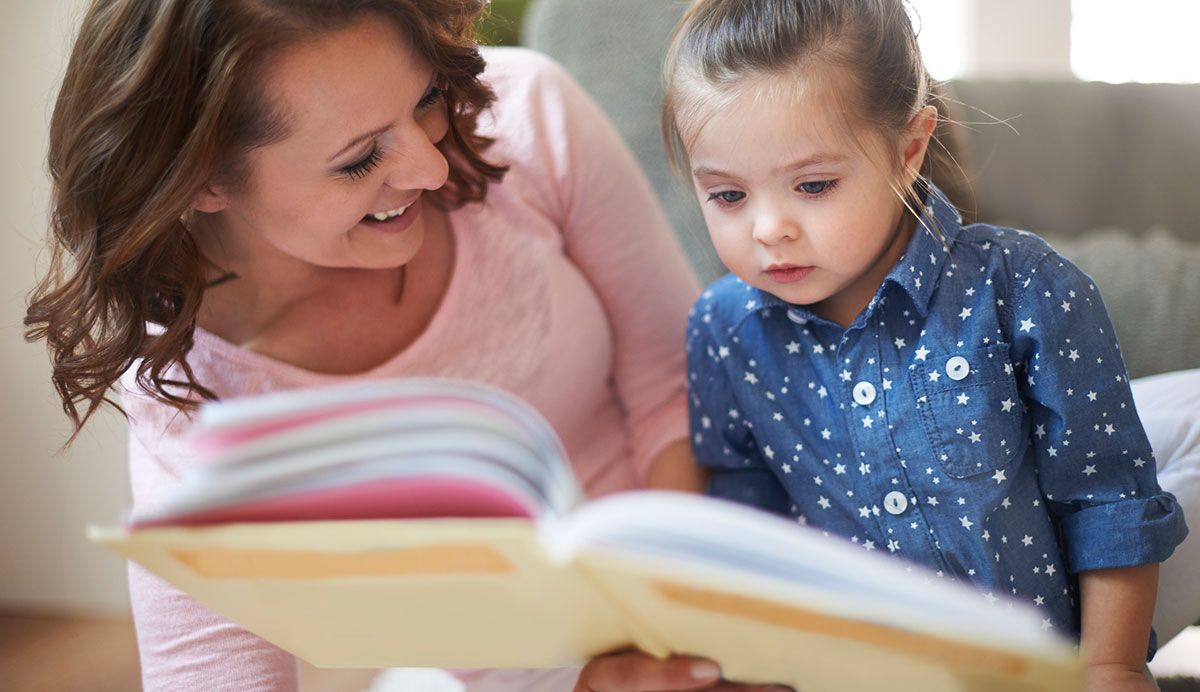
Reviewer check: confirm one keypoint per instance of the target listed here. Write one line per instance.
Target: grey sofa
(1109, 174)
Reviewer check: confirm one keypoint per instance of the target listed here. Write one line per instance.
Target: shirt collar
(923, 261)
(916, 272)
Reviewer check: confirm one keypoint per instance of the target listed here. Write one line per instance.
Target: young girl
(954, 395)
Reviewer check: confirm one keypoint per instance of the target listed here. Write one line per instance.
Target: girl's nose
(420, 165)
(772, 229)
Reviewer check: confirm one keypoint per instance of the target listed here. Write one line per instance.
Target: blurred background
(60, 596)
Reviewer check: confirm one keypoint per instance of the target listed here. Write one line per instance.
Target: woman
(258, 195)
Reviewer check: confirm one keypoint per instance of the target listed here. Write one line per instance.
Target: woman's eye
(727, 196)
(431, 97)
(363, 166)
(815, 187)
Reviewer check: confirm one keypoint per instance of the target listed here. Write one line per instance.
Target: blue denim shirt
(976, 417)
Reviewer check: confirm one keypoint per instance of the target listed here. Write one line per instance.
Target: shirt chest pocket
(969, 405)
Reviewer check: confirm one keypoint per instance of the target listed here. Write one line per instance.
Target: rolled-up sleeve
(1095, 464)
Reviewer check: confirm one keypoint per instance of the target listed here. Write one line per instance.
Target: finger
(727, 686)
(635, 671)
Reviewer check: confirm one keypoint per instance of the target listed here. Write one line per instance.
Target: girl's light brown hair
(720, 45)
(161, 98)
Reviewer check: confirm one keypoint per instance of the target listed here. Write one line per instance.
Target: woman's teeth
(385, 215)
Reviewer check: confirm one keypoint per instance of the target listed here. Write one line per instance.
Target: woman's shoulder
(514, 67)
(536, 99)
(543, 127)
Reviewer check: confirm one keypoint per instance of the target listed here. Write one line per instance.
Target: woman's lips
(397, 223)
(787, 273)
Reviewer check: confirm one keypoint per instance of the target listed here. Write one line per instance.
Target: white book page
(748, 549)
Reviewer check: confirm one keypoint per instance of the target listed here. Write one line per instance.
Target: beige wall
(47, 497)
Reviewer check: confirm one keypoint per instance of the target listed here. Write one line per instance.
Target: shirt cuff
(1123, 534)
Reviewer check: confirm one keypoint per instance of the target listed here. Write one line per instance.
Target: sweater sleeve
(617, 234)
(183, 645)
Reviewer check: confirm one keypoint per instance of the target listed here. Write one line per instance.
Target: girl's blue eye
(363, 166)
(815, 187)
(727, 196)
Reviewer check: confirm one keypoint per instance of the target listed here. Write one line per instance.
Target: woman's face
(345, 188)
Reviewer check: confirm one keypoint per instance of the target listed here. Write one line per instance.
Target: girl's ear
(916, 142)
(209, 200)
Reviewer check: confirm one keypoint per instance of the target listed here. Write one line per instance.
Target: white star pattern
(977, 484)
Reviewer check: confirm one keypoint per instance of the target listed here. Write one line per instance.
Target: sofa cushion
(1068, 157)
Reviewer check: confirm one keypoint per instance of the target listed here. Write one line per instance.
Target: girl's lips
(787, 274)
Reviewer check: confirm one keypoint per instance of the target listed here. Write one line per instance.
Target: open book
(437, 523)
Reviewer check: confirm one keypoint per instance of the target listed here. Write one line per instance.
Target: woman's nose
(420, 165)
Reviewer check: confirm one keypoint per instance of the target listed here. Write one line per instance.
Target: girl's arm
(1117, 606)
(1095, 466)
(673, 468)
(721, 432)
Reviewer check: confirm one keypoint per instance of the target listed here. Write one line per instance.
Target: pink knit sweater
(568, 289)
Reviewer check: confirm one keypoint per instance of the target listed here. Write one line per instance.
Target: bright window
(1111, 40)
(1147, 41)
(940, 31)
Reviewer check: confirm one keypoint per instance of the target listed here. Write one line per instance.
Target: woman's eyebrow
(359, 140)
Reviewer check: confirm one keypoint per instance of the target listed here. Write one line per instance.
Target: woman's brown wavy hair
(161, 98)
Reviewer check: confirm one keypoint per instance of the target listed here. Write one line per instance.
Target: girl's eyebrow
(814, 160)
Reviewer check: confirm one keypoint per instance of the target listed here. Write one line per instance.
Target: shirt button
(958, 368)
(895, 502)
(864, 393)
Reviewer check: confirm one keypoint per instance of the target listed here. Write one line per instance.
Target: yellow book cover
(433, 523)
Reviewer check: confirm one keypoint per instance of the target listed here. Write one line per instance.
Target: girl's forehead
(784, 101)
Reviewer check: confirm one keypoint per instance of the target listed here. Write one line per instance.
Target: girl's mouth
(788, 273)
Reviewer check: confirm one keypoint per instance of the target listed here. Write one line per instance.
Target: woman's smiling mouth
(385, 215)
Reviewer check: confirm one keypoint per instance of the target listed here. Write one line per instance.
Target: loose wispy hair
(721, 45)
(161, 98)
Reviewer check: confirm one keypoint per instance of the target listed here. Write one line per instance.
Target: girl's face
(797, 207)
(363, 114)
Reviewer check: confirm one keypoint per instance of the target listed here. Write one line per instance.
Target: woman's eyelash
(431, 97)
(360, 168)
(363, 166)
